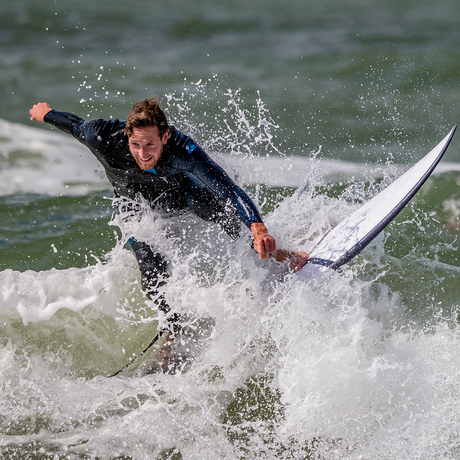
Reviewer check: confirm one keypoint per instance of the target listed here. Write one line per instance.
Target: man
(144, 156)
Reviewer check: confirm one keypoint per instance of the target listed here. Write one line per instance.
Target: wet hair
(146, 114)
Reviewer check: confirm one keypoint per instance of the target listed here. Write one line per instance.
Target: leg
(154, 273)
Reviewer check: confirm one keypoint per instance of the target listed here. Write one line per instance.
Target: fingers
(295, 259)
(298, 261)
(265, 245)
(38, 111)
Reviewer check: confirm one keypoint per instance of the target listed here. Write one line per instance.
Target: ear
(165, 137)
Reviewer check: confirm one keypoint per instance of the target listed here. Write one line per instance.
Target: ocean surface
(313, 108)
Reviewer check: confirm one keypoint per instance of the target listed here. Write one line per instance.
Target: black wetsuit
(185, 178)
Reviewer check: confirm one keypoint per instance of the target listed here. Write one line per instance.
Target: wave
(333, 371)
(40, 161)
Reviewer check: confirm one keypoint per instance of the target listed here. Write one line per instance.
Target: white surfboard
(350, 237)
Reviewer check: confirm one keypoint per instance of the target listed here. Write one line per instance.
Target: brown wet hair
(146, 114)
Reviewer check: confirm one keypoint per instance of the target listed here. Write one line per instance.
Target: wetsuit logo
(190, 147)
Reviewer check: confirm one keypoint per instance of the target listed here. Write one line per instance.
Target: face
(146, 146)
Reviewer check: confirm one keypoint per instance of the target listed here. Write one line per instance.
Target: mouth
(146, 163)
(145, 160)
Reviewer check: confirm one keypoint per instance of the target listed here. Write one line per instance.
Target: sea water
(313, 109)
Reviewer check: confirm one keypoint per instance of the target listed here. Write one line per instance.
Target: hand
(38, 111)
(296, 259)
(264, 244)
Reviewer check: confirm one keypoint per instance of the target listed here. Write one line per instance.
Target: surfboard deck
(347, 239)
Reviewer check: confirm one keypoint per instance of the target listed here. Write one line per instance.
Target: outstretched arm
(38, 111)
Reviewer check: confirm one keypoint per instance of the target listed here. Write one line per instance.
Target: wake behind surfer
(146, 157)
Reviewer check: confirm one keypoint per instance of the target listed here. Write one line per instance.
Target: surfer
(146, 157)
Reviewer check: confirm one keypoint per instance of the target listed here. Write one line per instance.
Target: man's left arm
(219, 183)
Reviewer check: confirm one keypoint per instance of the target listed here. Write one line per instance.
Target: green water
(357, 77)
(40, 232)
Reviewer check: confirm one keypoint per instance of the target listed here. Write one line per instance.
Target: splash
(224, 120)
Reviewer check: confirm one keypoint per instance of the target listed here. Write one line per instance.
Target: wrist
(46, 113)
(258, 229)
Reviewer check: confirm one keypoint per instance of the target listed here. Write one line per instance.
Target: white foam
(37, 296)
(43, 161)
(357, 377)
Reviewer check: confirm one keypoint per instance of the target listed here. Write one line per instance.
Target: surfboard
(352, 235)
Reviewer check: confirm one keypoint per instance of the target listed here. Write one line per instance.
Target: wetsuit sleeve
(63, 121)
(90, 133)
(219, 183)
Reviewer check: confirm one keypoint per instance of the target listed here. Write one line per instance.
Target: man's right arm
(64, 121)
(88, 133)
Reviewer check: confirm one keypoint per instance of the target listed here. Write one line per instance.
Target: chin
(145, 166)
